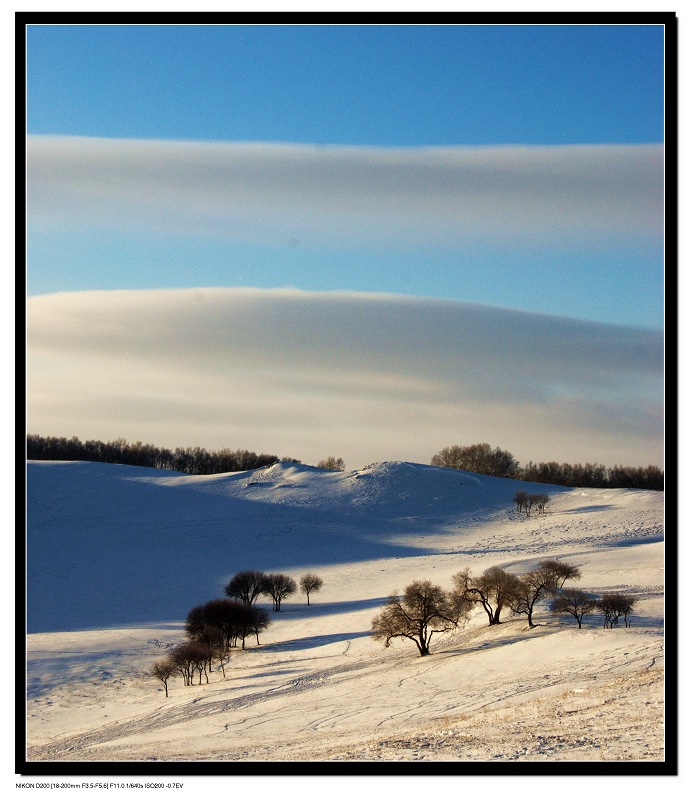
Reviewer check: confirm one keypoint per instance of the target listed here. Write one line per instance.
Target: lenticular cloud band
(367, 376)
(404, 196)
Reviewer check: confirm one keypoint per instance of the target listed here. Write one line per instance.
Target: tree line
(214, 628)
(189, 460)
(424, 609)
(481, 458)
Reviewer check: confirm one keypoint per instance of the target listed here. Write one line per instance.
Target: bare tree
(332, 464)
(222, 614)
(180, 658)
(258, 621)
(528, 590)
(236, 620)
(574, 602)
(310, 583)
(246, 586)
(540, 500)
(521, 499)
(279, 586)
(199, 625)
(163, 670)
(218, 648)
(423, 610)
(526, 501)
(559, 572)
(548, 577)
(614, 606)
(492, 590)
(205, 625)
(188, 658)
(202, 663)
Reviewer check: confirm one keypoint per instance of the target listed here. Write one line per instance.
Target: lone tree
(492, 590)
(614, 606)
(332, 464)
(310, 583)
(571, 601)
(163, 670)
(279, 586)
(480, 458)
(548, 577)
(246, 586)
(423, 610)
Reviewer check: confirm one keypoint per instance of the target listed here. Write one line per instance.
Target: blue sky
(361, 86)
(384, 85)
(362, 241)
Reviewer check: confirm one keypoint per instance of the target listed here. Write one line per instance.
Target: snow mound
(401, 488)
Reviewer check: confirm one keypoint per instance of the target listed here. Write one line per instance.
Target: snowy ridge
(380, 483)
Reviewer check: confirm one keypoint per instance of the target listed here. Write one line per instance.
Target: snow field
(319, 687)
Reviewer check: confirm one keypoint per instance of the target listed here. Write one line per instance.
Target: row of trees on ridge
(189, 460)
(478, 457)
(483, 459)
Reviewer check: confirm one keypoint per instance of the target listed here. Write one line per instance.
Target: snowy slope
(117, 555)
(112, 544)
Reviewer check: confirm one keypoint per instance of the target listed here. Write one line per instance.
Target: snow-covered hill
(112, 544)
(117, 555)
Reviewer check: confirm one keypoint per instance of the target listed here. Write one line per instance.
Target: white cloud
(364, 376)
(322, 194)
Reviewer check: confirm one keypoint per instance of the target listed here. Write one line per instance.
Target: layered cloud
(269, 192)
(363, 376)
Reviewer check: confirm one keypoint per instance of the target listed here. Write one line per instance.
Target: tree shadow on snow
(592, 508)
(316, 610)
(268, 674)
(315, 641)
(637, 540)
